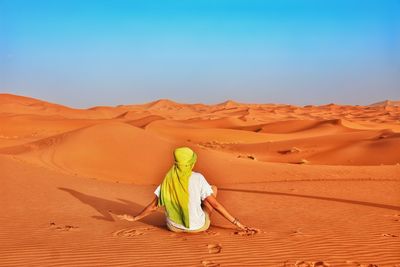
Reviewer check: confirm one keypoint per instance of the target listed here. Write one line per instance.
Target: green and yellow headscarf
(175, 186)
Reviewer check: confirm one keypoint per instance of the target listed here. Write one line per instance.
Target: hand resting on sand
(127, 217)
(246, 229)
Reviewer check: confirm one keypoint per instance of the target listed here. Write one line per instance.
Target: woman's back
(199, 189)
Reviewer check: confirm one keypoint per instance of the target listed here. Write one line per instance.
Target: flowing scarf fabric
(175, 186)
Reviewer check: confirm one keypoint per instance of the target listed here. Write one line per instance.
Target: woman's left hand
(127, 217)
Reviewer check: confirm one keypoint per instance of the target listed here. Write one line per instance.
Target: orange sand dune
(321, 182)
(332, 126)
(13, 104)
(190, 132)
(21, 128)
(226, 122)
(87, 151)
(144, 121)
(349, 148)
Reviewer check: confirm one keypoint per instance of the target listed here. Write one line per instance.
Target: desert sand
(322, 183)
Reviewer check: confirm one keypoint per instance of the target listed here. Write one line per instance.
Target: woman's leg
(174, 229)
(206, 206)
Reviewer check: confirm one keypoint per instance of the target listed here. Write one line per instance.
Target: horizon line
(227, 101)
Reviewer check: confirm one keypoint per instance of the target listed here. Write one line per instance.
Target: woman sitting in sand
(187, 197)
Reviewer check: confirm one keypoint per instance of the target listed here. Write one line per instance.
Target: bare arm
(221, 210)
(151, 207)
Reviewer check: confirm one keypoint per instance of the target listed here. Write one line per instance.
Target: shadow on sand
(349, 201)
(108, 207)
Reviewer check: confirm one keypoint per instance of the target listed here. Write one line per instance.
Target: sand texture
(322, 183)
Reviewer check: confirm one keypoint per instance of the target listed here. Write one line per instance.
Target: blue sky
(85, 53)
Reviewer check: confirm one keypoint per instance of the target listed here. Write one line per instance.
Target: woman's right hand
(127, 217)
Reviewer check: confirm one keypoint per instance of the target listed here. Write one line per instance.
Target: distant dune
(386, 103)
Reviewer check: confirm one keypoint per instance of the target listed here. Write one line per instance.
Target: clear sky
(93, 52)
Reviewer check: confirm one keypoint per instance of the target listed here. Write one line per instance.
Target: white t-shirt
(199, 189)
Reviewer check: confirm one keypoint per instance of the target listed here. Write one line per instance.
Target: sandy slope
(322, 182)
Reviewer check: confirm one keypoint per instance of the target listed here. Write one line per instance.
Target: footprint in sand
(311, 264)
(389, 235)
(302, 264)
(208, 263)
(298, 233)
(177, 235)
(214, 248)
(131, 232)
(357, 264)
(209, 232)
(396, 218)
(62, 228)
(320, 264)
